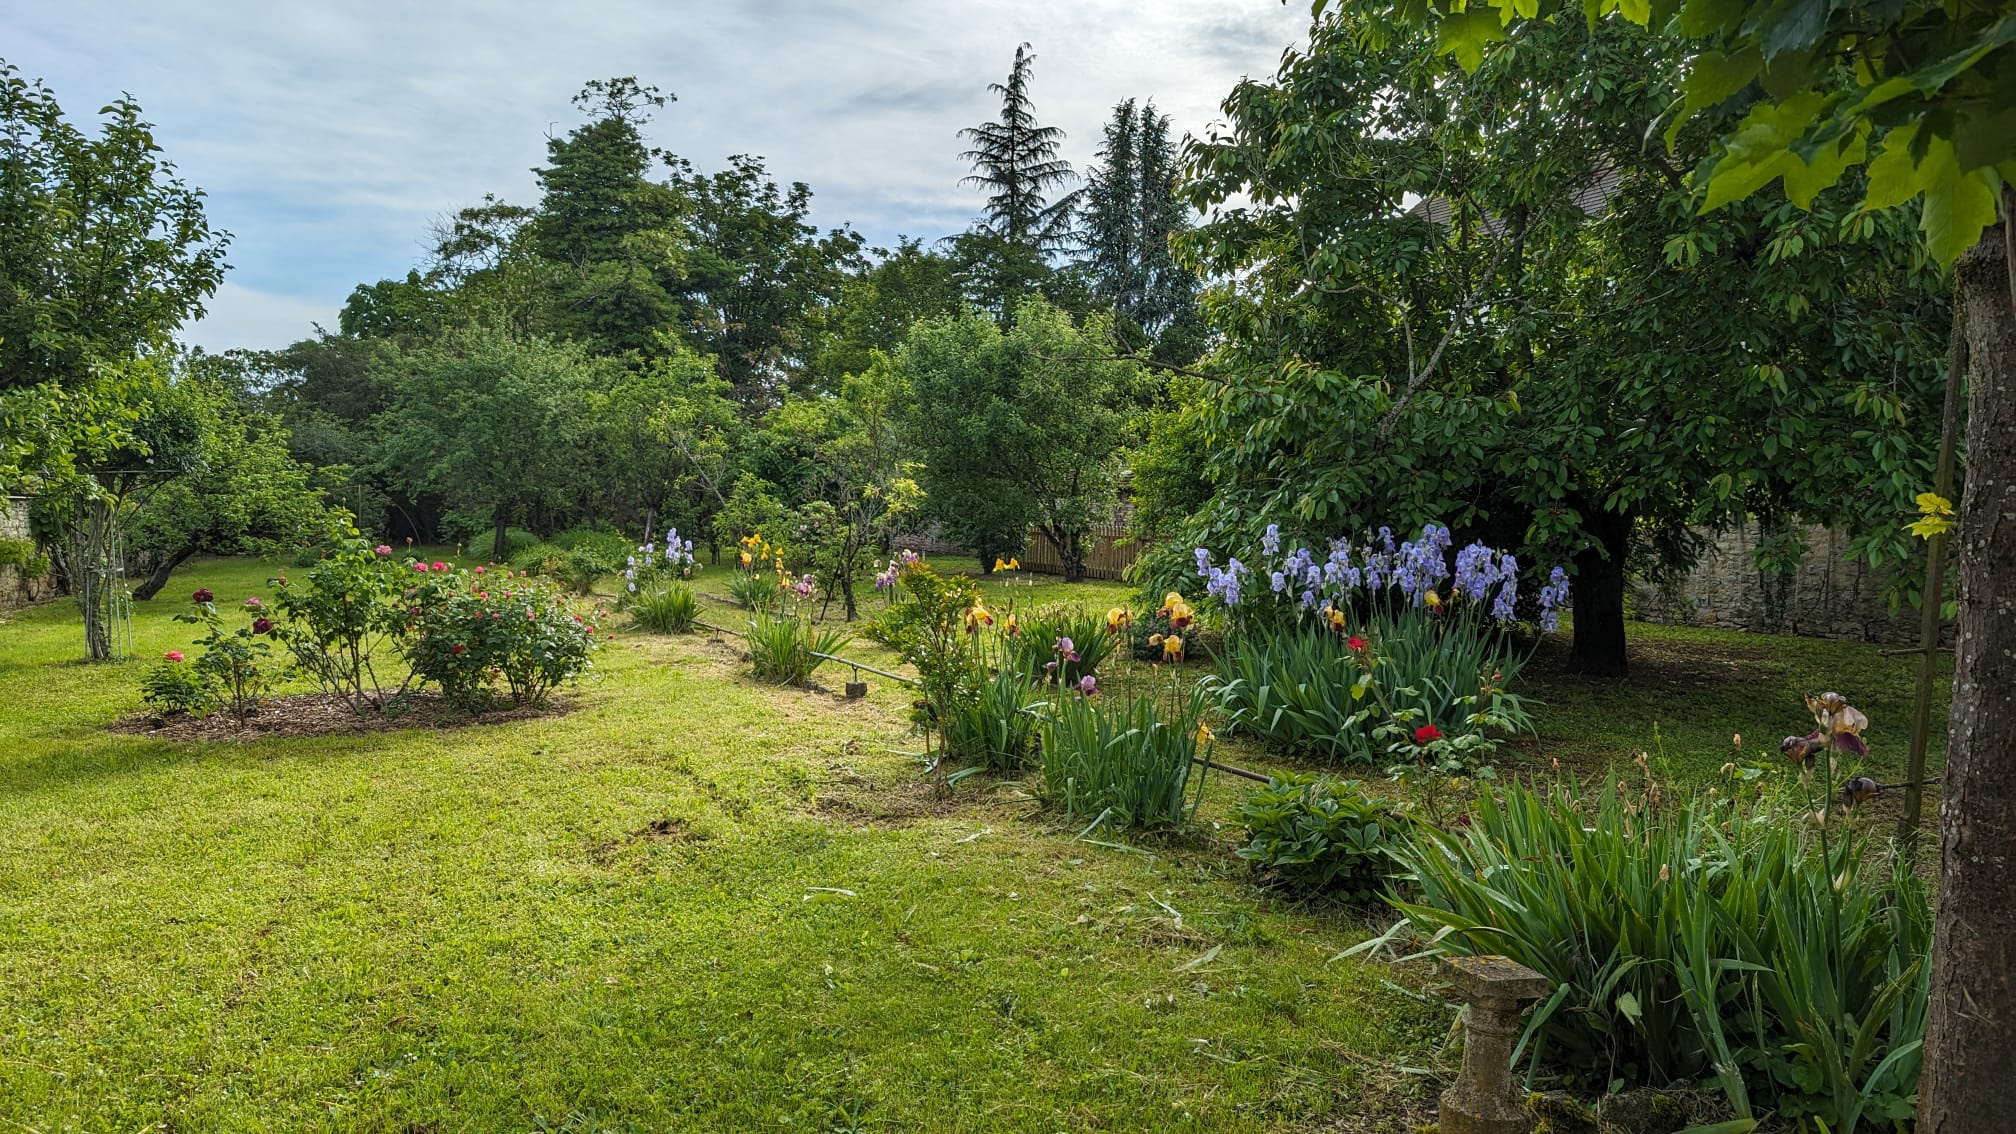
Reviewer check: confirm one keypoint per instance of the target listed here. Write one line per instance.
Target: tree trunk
(159, 578)
(497, 538)
(1970, 1035)
(1598, 598)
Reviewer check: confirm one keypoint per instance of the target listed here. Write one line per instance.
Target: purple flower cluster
(1485, 579)
(1552, 596)
(677, 557)
(887, 577)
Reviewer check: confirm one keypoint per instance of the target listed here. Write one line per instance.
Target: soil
(325, 714)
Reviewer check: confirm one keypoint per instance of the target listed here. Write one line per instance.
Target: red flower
(458, 649)
(1426, 733)
(1357, 644)
(262, 626)
(202, 595)
(173, 655)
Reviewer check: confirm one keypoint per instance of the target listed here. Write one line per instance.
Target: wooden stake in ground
(1933, 595)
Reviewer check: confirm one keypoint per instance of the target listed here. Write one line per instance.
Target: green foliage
(108, 252)
(1804, 92)
(1033, 649)
(1302, 689)
(782, 646)
(345, 618)
(994, 724)
(1319, 837)
(582, 560)
(667, 609)
(1124, 763)
(1128, 213)
(1762, 358)
(468, 633)
(25, 555)
(756, 590)
(1015, 160)
(175, 686)
(1709, 941)
(934, 629)
(1019, 426)
(231, 668)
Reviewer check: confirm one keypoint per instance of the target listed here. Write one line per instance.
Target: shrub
(935, 626)
(1033, 649)
(230, 670)
(1319, 837)
(782, 646)
(1124, 763)
(468, 634)
(579, 568)
(994, 726)
(1721, 942)
(667, 609)
(345, 618)
(174, 686)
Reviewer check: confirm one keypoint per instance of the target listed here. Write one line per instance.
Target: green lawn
(695, 902)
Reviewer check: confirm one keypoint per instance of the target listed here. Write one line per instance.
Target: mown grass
(693, 902)
(698, 902)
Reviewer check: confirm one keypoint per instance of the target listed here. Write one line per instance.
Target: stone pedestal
(1484, 1099)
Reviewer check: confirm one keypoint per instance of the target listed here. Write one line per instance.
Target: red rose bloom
(262, 626)
(458, 649)
(1356, 643)
(1426, 733)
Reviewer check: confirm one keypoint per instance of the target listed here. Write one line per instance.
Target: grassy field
(695, 902)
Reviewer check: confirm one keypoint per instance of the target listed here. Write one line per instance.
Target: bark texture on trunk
(1597, 598)
(1970, 1036)
(158, 578)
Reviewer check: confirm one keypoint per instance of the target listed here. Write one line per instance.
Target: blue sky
(329, 136)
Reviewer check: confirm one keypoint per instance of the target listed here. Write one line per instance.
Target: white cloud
(328, 135)
(242, 317)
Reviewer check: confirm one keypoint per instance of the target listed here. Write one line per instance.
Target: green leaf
(1759, 150)
(1710, 81)
(1465, 34)
(1893, 176)
(1958, 205)
(1628, 1004)
(1804, 179)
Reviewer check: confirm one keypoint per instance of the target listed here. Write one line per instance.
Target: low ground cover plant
(1318, 837)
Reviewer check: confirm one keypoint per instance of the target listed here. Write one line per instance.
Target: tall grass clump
(1784, 962)
(783, 648)
(669, 609)
(1033, 649)
(1125, 762)
(993, 723)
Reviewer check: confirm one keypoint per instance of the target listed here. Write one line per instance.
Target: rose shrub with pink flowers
(485, 640)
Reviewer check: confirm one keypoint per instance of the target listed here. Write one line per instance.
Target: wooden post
(1933, 595)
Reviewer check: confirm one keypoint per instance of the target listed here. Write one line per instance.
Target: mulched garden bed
(325, 714)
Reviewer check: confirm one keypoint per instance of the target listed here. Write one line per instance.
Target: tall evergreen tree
(1016, 160)
(1130, 211)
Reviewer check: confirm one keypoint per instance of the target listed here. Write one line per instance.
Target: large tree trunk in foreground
(1969, 1083)
(1597, 596)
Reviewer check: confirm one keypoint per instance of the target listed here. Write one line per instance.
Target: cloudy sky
(328, 135)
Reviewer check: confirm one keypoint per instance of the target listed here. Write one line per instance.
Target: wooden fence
(1109, 551)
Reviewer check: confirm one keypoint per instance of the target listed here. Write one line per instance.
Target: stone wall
(1831, 596)
(17, 588)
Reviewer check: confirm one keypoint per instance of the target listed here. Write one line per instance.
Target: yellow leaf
(1933, 504)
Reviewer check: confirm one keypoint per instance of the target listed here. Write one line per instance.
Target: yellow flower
(1203, 734)
(1434, 600)
(1172, 648)
(1116, 618)
(1000, 564)
(976, 617)
(1335, 617)
(745, 559)
(1014, 564)
(1176, 611)
(1012, 626)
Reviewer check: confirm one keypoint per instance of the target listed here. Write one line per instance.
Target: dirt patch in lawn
(325, 714)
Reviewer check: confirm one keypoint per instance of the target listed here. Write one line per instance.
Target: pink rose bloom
(481, 570)
(253, 603)
(420, 567)
(440, 566)
(383, 549)
(173, 655)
